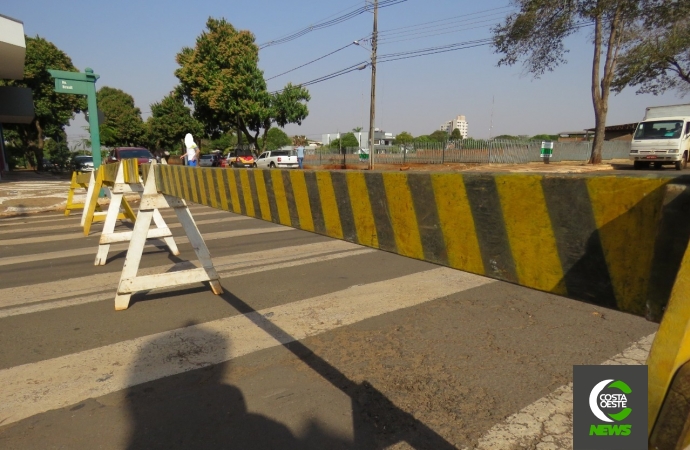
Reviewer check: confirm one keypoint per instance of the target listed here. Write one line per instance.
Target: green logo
(599, 401)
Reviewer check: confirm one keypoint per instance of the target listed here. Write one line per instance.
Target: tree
(170, 121)
(221, 78)
(507, 137)
(423, 138)
(536, 34)
(656, 58)
(403, 138)
(275, 139)
(455, 135)
(53, 111)
(439, 136)
(544, 137)
(356, 129)
(347, 140)
(122, 118)
(58, 151)
(225, 142)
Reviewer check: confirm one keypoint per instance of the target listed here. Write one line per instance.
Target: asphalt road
(315, 343)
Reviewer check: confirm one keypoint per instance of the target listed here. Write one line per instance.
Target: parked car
(82, 163)
(142, 155)
(210, 160)
(284, 159)
(240, 158)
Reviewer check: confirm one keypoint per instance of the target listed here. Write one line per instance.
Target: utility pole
(372, 109)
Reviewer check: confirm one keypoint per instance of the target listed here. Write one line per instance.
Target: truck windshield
(661, 129)
(138, 153)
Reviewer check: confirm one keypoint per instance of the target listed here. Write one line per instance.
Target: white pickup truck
(283, 159)
(663, 137)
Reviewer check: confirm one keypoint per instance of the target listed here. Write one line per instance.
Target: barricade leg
(70, 195)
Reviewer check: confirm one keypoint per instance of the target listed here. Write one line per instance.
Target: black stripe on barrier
(315, 202)
(580, 251)
(290, 196)
(379, 206)
(270, 192)
(428, 221)
(342, 198)
(490, 227)
(254, 193)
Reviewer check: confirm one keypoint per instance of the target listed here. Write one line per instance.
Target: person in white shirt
(300, 156)
(192, 150)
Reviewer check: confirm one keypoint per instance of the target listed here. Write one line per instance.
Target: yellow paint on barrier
(262, 194)
(193, 188)
(299, 190)
(178, 188)
(281, 198)
(530, 234)
(329, 205)
(457, 223)
(247, 194)
(361, 209)
(184, 176)
(402, 215)
(210, 175)
(625, 210)
(234, 194)
(671, 347)
(223, 198)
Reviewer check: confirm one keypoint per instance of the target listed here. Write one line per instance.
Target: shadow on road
(198, 410)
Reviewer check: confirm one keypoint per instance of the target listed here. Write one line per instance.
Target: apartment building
(459, 123)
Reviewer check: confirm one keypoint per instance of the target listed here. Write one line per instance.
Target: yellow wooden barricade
(104, 178)
(79, 180)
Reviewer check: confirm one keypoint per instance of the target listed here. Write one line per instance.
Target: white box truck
(663, 137)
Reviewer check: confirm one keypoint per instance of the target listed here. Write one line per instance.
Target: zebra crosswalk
(316, 343)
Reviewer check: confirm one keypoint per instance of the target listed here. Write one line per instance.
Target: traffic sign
(71, 86)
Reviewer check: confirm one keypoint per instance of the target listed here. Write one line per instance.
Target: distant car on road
(210, 160)
(142, 155)
(82, 163)
(283, 159)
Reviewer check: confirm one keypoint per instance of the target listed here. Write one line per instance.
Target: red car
(142, 155)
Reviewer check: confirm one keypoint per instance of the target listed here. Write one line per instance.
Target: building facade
(459, 123)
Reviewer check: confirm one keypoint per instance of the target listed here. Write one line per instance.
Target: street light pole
(372, 108)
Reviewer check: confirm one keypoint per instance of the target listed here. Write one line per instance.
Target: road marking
(50, 224)
(81, 290)
(120, 247)
(80, 235)
(34, 388)
(40, 218)
(547, 424)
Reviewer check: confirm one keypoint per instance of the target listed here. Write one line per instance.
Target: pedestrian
(300, 156)
(192, 150)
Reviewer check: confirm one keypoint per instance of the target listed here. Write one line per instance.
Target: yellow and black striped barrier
(615, 241)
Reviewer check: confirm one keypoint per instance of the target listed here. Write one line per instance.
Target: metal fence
(471, 152)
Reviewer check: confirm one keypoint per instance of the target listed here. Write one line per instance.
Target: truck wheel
(683, 163)
(254, 165)
(272, 165)
(232, 164)
(637, 165)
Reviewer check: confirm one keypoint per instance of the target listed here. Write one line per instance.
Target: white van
(663, 137)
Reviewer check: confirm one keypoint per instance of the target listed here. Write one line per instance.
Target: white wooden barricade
(126, 185)
(130, 283)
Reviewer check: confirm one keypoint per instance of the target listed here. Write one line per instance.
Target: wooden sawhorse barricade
(125, 178)
(79, 180)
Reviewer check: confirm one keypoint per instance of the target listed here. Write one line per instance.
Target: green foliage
(225, 142)
(275, 139)
(455, 135)
(58, 152)
(508, 137)
(657, 56)
(221, 78)
(438, 136)
(423, 138)
(348, 140)
(170, 121)
(123, 124)
(53, 111)
(403, 138)
(545, 137)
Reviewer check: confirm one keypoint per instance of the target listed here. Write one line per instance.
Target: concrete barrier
(610, 240)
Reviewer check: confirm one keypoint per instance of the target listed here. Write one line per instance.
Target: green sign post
(82, 84)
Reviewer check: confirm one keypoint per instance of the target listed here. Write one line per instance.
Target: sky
(132, 46)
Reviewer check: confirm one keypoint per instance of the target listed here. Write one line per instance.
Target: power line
(312, 61)
(461, 18)
(328, 23)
